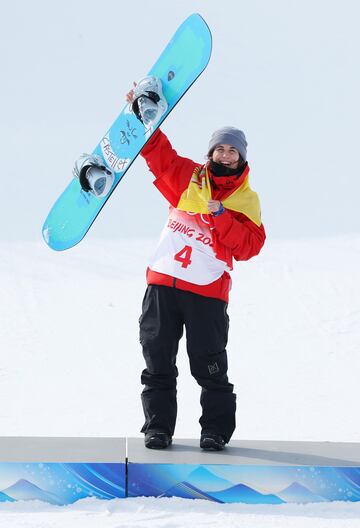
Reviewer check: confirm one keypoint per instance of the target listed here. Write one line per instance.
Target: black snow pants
(165, 312)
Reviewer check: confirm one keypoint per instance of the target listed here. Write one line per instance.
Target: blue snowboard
(183, 60)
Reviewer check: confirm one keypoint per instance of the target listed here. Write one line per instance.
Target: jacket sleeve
(241, 235)
(172, 172)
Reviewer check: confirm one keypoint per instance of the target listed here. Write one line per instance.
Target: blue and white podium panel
(251, 472)
(61, 470)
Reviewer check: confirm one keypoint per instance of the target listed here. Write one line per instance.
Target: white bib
(185, 249)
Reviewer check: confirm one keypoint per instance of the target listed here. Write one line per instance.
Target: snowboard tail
(180, 64)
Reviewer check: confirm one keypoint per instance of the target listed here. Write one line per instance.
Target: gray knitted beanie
(229, 136)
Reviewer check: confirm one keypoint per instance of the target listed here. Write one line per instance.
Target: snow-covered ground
(70, 365)
(177, 513)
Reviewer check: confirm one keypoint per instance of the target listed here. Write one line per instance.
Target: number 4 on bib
(184, 256)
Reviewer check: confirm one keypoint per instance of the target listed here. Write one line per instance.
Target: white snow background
(70, 361)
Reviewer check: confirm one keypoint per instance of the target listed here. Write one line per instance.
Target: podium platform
(63, 470)
(252, 472)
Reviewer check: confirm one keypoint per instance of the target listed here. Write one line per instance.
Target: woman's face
(226, 155)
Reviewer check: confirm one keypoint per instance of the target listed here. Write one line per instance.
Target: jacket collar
(228, 182)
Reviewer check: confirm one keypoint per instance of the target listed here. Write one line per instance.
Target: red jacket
(241, 238)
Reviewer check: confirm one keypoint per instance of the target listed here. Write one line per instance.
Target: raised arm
(172, 172)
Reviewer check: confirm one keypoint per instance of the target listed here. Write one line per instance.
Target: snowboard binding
(149, 103)
(93, 175)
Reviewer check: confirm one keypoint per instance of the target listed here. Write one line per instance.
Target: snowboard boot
(157, 440)
(93, 175)
(212, 442)
(149, 103)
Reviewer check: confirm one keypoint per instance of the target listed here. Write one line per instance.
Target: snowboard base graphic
(182, 61)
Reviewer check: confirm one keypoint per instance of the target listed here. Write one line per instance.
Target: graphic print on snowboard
(180, 64)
